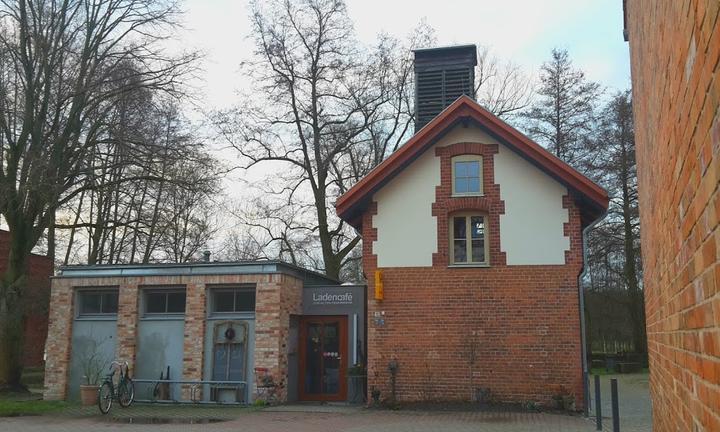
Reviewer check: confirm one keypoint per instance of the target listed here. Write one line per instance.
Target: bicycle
(124, 393)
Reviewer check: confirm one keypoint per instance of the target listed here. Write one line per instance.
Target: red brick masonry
(278, 296)
(40, 268)
(675, 49)
(511, 329)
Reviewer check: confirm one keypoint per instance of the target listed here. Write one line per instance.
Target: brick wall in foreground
(674, 48)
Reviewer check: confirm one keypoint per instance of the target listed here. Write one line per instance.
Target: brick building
(40, 268)
(211, 322)
(475, 233)
(674, 50)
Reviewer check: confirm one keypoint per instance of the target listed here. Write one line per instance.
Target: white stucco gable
(531, 230)
(406, 228)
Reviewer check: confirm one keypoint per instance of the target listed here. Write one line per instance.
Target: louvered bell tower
(441, 76)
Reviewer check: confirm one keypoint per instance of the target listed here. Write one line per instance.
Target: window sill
(97, 317)
(163, 317)
(231, 315)
(469, 266)
(468, 195)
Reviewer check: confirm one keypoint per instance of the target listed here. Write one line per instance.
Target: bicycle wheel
(105, 397)
(126, 392)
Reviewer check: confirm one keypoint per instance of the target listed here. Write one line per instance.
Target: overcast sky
(523, 31)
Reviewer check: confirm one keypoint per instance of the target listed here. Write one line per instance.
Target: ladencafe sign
(331, 298)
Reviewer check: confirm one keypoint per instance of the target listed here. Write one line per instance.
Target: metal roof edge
(192, 269)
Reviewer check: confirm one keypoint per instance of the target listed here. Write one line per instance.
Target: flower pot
(88, 394)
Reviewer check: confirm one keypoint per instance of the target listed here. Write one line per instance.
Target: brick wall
(194, 333)
(511, 329)
(127, 318)
(278, 296)
(40, 268)
(57, 365)
(674, 49)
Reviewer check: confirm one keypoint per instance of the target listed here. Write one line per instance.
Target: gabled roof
(591, 198)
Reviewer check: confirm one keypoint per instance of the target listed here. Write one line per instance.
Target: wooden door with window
(323, 358)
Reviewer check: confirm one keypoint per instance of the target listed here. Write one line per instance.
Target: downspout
(583, 337)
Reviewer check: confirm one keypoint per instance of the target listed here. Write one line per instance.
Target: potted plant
(93, 363)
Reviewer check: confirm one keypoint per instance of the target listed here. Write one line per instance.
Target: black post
(598, 404)
(586, 395)
(615, 406)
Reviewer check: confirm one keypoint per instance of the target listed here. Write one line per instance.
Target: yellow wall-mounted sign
(379, 288)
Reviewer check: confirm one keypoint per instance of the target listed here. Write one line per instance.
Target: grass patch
(13, 408)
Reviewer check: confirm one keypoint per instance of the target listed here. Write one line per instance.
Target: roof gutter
(583, 336)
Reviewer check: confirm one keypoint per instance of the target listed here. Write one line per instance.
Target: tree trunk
(12, 312)
(51, 241)
(71, 240)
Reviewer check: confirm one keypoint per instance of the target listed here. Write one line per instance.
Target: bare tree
(501, 87)
(58, 81)
(166, 217)
(615, 245)
(562, 117)
(243, 245)
(282, 229)
(320, 91)
(189, 219)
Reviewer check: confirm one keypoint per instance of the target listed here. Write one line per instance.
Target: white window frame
(467, 158)
(468, 239)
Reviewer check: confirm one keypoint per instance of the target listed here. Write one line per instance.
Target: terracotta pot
(88, 394)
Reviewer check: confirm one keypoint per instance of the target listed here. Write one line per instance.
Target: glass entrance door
(323, 358)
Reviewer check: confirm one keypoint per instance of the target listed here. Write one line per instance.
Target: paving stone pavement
(635, 415)
(356, 421)
(634, 404)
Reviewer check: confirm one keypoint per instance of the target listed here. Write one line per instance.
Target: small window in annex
(467, 175)
(233, 300)
(165, 301)
(468, 239)
(97, 302)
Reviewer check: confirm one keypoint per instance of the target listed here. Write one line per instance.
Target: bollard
(598, 405)
(586, 395)
(615, 406)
